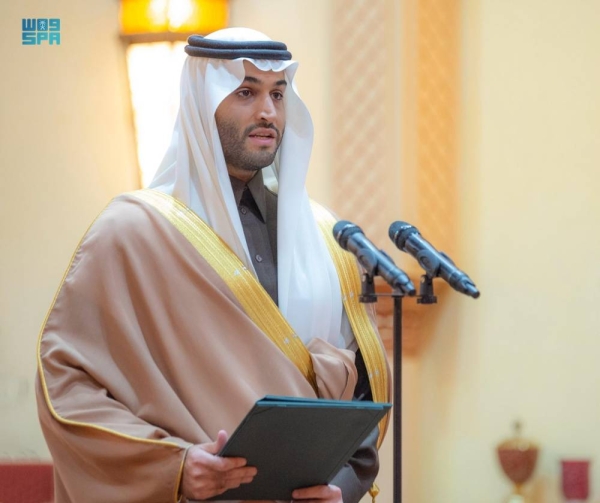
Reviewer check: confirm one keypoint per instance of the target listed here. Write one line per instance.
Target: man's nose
(267, 110)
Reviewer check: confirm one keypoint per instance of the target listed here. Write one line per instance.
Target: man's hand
(206, 475)
(318, 494)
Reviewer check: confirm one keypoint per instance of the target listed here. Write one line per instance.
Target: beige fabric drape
(144, 352)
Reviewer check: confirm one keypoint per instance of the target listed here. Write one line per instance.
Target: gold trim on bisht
(368, 342)
(255, 300)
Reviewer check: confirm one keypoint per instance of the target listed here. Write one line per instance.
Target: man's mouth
(263, 137)
(262, 133)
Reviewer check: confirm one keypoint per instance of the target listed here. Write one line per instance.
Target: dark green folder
(298, 442)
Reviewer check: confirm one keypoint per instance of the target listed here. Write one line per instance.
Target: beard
(234, 149)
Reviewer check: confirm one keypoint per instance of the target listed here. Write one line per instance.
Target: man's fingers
(206, 474)
(219, 464)
(221, 467)
(217, 445)
(318, 493)
(246, 472)
(199, 456)
(217, 484)
(221, 440)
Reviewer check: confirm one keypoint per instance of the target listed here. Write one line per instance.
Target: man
(185, 304)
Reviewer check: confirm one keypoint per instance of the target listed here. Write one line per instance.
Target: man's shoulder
(125, 212)
(125, 218)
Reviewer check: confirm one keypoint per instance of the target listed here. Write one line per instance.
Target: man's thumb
(217, 445)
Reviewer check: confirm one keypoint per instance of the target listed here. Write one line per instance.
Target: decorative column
(395, 89)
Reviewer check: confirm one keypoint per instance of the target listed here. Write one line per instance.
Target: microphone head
(400, 231)
(342, 231)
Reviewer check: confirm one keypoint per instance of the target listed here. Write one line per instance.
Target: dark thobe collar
(256, 188)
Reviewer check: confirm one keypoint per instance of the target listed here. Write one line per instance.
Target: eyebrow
(254, 80)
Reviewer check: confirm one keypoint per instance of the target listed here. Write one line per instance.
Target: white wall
(528, 348)
(66, 147)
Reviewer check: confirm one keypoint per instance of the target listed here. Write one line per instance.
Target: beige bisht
(146, 351)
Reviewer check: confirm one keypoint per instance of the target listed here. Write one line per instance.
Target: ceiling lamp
(170, 20)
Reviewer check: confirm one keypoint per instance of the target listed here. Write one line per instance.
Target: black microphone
(436, 263)
(351, 237)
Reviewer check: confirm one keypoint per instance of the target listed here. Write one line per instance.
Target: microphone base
(426, 295)
(367, 294)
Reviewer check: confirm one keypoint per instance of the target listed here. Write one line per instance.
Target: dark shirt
(257, 207)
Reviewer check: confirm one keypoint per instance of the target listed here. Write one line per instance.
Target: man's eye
(244, 93)
(277, 95)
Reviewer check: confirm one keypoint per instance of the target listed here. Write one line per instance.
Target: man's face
(251, 122)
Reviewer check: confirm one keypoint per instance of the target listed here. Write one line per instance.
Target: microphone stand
(425, 296)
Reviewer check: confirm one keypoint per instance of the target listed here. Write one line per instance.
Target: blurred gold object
(518, 457)
(374, 491)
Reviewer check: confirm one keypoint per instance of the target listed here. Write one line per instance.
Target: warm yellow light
(154, 71)
(157, 11)
(143, 18)
(179, 13)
